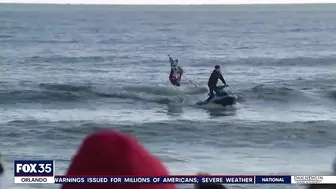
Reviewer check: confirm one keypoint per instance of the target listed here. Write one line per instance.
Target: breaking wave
(49, 92)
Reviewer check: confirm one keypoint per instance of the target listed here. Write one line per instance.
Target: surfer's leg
(216, 89)
(211, 91)
(175, 82)
(172, 80)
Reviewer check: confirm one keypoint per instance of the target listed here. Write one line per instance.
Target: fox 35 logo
(33, 168)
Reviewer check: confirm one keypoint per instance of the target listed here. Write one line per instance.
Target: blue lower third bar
(274, 179)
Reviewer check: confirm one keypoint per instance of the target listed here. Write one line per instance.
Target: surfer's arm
(181, 70)
(171, 61)
(222, 79)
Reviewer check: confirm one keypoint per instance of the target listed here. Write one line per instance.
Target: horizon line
(151, 4)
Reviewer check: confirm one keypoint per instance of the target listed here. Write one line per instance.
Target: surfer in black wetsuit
(2, 173)
(1, 166)
(212, 83)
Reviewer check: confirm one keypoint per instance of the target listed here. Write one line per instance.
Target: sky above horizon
(170, 1)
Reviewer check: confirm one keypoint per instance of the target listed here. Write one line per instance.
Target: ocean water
(70, 70)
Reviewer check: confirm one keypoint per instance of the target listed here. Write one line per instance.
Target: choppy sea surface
(69, 70)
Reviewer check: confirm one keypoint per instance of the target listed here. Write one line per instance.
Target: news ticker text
(43, 171)
(214, 179)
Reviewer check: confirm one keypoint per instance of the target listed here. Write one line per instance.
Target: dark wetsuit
(1, 168)
(212, 83)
